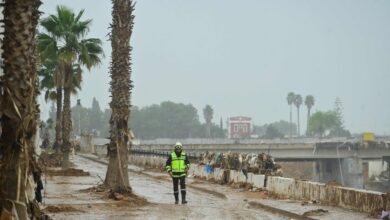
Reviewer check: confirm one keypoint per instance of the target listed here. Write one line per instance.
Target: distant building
(239, 127)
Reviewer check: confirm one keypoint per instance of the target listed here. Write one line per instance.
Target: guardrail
(191, 156)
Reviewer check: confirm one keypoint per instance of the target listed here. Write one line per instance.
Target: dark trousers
(182, 181)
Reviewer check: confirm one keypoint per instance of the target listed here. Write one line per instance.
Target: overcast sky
(243, 57)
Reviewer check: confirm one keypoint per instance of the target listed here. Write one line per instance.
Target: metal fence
(165, 154)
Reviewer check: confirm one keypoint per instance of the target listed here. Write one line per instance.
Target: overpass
(337, 159)
(281, 150)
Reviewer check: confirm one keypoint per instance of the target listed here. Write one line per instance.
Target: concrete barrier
(355, 199)
(280, 185)
(257, 180)
(295, 189)
(149, 162)
(233, 177)
(386, 201)
(193, 169)
(241, 177)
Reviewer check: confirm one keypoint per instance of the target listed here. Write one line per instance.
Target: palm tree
(290, 101)
(208, 116)
(65, 42)
(51, 82)
(298, 103)
(18, 106)
(309, 102)
(121, 86)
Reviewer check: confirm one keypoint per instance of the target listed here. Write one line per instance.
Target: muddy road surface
(65, 199)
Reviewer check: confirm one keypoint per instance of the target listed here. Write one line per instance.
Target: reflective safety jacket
(178, 164)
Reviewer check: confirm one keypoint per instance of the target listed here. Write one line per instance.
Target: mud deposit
(67, 172)
(106, 194)
(56, 209)
(333, 183)
(317, 212)
(152, 198)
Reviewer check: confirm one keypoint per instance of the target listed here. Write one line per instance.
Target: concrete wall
(219, 175)
(100, 150)
(86, 144)
(149, 162)
(347, 171)
(350, 198)
(375, 168)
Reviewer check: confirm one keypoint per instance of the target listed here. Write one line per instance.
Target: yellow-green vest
(178, 164)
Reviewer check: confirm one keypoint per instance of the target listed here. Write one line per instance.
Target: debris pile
(247, 163)
(49, 160)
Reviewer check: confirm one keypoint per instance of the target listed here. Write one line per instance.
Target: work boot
(183, 197)
(176, 198)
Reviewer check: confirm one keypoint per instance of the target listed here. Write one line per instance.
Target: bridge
(281, 150)
(337, 159)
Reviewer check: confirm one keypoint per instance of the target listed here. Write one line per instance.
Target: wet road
(157, 189)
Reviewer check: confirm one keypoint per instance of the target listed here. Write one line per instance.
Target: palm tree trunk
(122, 26)
(307, 123)
(208, 130)
(291, 121)
(17, 102)
(66, 119)
(299, 130)
(58, 141)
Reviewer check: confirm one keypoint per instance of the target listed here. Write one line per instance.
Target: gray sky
(243, 57)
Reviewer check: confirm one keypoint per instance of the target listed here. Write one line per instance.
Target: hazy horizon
(243, 58)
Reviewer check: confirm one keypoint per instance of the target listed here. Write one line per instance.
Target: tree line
(322, 123)
(178, 120)
(64, 50)
(59, 54)
(164, 120)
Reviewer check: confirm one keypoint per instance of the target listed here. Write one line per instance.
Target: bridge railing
(165, 154)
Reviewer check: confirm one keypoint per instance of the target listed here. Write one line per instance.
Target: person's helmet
(178, 146)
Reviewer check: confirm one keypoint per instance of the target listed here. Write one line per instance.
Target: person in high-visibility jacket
(177, 166)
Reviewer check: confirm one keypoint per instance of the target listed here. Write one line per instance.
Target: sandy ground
(206, 200)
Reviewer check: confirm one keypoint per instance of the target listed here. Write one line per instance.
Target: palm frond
(63, 42)
(47, 46)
